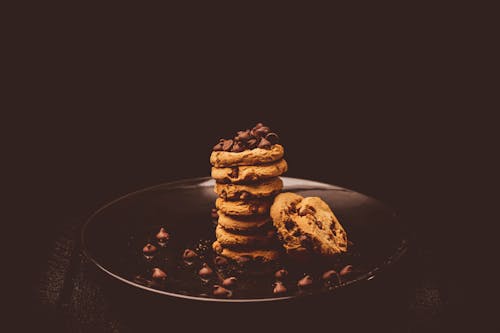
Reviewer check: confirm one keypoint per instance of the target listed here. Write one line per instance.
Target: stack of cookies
(246, 170)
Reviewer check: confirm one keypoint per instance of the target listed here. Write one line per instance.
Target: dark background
(383, 108)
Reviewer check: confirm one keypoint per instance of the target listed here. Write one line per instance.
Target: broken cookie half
(307, 226)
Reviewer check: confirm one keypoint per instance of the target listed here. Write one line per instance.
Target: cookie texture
(249, 173)
(221, 159)
(243, 208)
(307, 225)
(236, 241)
(261, 255)
(241, 224)
(266, 188)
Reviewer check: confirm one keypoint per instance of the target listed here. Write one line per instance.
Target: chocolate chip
(227, 144)
(219, 146)
(221, 292)
(243, 136)
(264, 143)
(305, 282)
(230, 282)
(346, 271)
(205, 271)
(330, 275)
(215, 213)
(189, 254)
(292, 208)
(238, 147)
(319, 224)
(158, 274)
(273, 138)
(259, 125)
(252, 143)
(281, 274)
(262, 131)
(234, 172)
(162, 236)
(289, 225)
(220, 261)
(279, 288)
(149, 249)
(306, 210)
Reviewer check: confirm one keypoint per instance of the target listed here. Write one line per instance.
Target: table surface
(71, 299)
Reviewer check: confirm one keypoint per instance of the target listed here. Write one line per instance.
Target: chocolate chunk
(346, 271)
(230, 282)
(306, 210)
(205, 271)
(289, 225)
(227, 144)
(162, 236)
(189, 255)
(149, 249)
(264, 143)
(215, 212)
(238, 147)
(273, 138)
(234, 172)
(220, 261)
(158, 274)
(279, 288)
(281, 274)
(292, 209)
(221, 292)
(330, 275)
(319, 224)
(305, 282)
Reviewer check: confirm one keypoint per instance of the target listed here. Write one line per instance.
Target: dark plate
(114, 234)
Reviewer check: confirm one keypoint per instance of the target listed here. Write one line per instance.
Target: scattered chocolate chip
(149, 249)
(243, 136)
(319, 224)
(205, 271)
(252, 143)
(214, 213)
(305, 210)
(281, 274)
(259, 125)
(234, 172)
(158, 274)
(273, 138)
(227, 144)
(346, 270)
(189, 254)
(262, 131)
(162, 236)
(220, 261)
(221, 292)
(279, 288)
(305, 282)
(264, 143)
(229, 282)
(330, 275)
(289, 225)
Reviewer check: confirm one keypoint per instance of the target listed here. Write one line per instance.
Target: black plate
(109, 237)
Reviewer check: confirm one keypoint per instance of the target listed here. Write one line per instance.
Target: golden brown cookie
(244, 224)
(261, 255)
(266, 188)
(236, 241)
(307, 225)
(243, 208)
(221, 159)
(249, 173)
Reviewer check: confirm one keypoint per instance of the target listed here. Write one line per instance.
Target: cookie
(261, 255)
(266, 188)
(221, 159)
(235, 241)
(244, 224)
(307, 225)
(249, 173)
(243, 208)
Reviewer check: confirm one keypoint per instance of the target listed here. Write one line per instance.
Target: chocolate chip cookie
(247, 224)
(239, 241)
(249, 173)
(307, 225)
(266, 188)
(261, 255)
(243, 208)
(255, 156)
